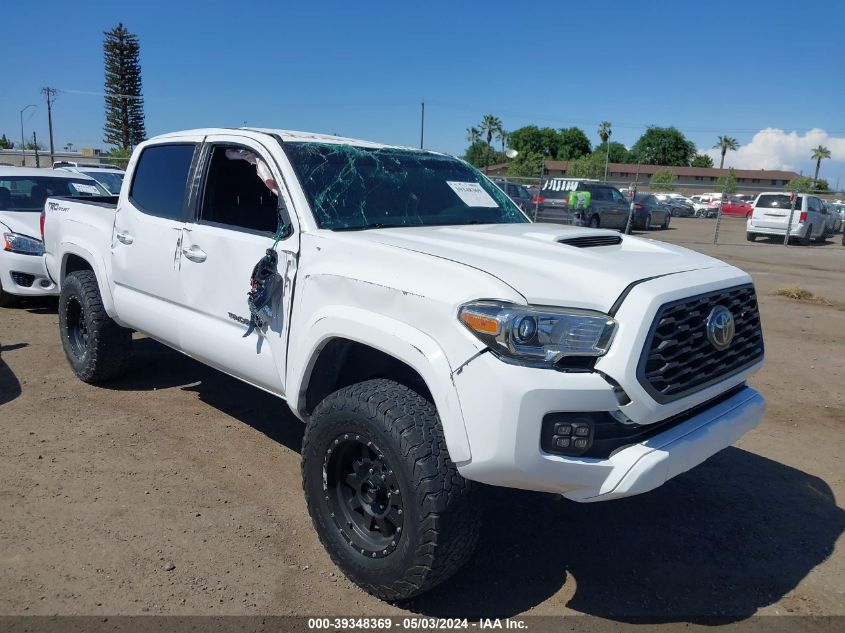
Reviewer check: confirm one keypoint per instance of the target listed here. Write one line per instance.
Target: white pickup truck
(427, 333)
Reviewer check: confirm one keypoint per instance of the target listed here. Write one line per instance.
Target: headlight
(17, 243)
(537, 334)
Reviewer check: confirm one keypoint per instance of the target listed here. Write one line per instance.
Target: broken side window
(240, 191)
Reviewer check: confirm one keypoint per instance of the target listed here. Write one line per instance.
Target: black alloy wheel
(363, 494)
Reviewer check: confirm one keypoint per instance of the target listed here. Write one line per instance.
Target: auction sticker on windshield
(84, 188)
(472, 194)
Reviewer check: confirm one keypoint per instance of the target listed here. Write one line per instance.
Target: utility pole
(35, 145)
(50, 94)
(422, 123)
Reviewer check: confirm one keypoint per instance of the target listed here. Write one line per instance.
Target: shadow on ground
(10, 386)
(733, 535)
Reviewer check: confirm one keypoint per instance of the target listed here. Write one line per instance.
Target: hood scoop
(591, 241)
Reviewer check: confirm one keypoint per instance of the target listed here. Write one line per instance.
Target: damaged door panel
(237, 219)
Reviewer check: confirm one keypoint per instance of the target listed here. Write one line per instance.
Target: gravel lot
(177, 490)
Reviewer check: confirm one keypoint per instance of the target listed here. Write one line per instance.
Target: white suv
(771, 216)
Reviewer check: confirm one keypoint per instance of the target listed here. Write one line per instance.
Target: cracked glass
(352, 187)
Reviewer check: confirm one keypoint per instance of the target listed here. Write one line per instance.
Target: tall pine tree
(124, 102)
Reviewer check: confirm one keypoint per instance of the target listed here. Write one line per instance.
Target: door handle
(124, 238)
(195, 254)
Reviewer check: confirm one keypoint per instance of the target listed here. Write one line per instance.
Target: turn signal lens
(479, 323)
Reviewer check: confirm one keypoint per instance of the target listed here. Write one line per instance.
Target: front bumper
(503, 407)
(25, 275)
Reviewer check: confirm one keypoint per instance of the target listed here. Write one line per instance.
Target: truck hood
(25, 222)
(531, 259)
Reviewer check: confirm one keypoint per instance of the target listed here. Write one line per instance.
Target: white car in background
(23, 192)
(773, 213)
(109, 177)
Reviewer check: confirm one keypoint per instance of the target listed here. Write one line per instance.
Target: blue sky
(768, 73)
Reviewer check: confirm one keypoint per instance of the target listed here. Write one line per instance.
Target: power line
(97, 94)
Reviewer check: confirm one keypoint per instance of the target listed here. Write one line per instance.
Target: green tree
(530, 164)
(490, 126)
(573, 144)
(533, 140)
(473, 135)
(119, 157)
(33, 146)
(589, 166)
(6, 143)
(502, 136)
(727, 183)
(124, 101)
(805, 184)
(702, 160)
(723, 144)
(482, 156)
(819, 154)
(618, 152)
(605, 131)
(663, 146)
(663, 180)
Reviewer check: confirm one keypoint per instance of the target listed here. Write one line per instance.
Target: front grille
(679, 359)
(591, 241)
(22, 279)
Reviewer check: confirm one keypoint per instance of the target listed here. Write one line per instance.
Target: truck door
(147, 238)
(241, 205)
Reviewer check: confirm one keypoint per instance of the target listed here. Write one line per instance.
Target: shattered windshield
(352, 187)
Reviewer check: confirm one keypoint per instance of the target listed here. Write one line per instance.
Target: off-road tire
(441, 514)
(103, 353)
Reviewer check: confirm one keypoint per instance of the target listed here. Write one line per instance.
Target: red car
(737, 208)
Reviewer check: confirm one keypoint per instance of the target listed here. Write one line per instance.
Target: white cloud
(773, 148)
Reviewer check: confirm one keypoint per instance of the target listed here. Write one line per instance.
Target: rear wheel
(805, 239)
(96, 347)
(386, 500)
(647, 223)
(751, 237)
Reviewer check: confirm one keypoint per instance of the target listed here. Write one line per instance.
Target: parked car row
(583, 202)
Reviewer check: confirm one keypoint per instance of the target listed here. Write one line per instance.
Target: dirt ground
(177, 490)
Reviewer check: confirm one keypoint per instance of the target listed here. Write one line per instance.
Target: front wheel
(385, 498)
(594, 222)
(96, 347)
(751, 237)
(665, 224)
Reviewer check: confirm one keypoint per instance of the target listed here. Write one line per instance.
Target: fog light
(567, 433)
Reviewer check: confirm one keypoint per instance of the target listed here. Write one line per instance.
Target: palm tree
(473, 135)
(725, 143)
(503, 137)
(604, 134)
(819, 153)
(490, 125)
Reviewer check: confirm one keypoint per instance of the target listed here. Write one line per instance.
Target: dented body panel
(398, 290)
